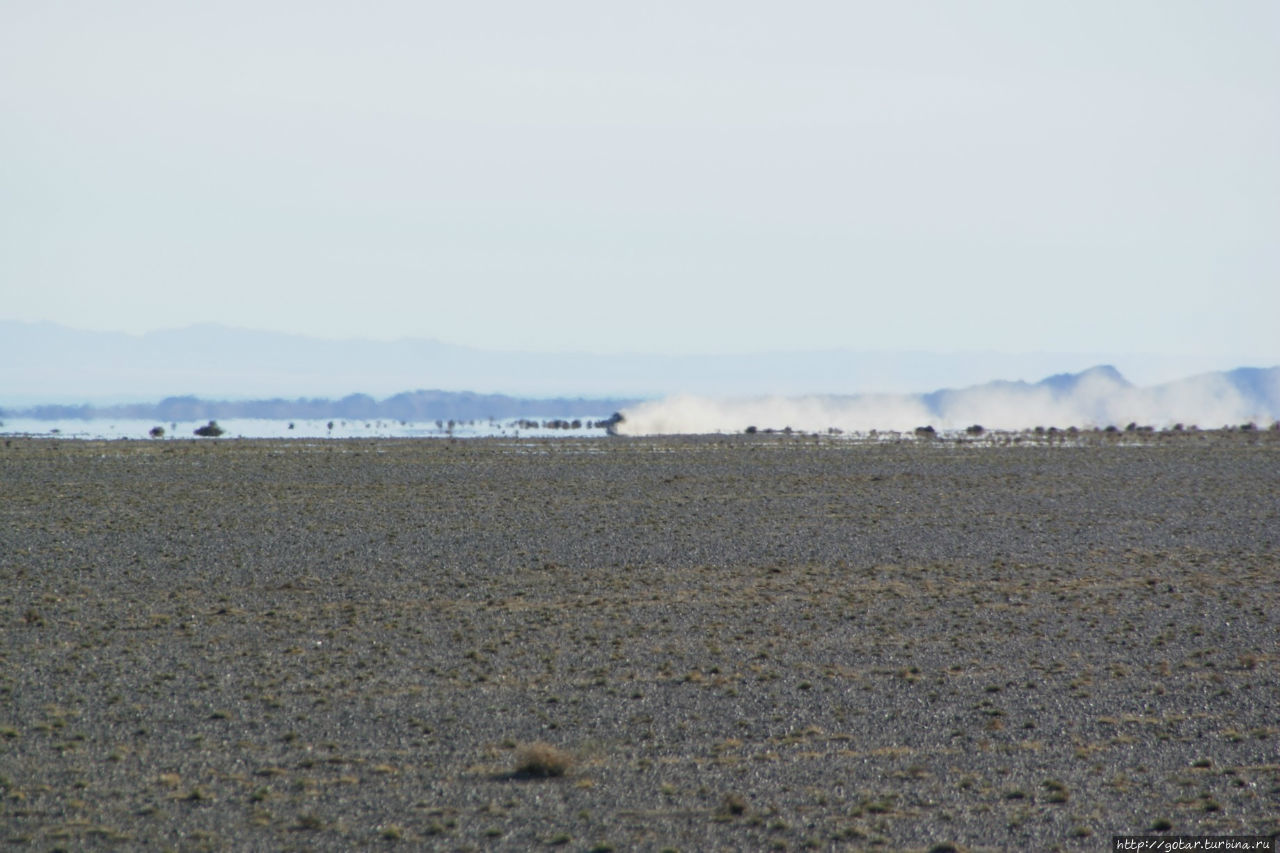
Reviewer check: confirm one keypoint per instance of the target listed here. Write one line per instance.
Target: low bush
(209, 430)
(542, 759)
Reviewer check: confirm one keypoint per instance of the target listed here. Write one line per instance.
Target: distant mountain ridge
(1102, 396)
(43, 363)
(1060, 385)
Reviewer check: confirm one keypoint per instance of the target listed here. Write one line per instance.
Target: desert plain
(724, 642)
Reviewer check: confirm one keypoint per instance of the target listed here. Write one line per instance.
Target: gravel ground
(745, 642)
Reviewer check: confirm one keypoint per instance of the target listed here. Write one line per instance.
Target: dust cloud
(1098, 397)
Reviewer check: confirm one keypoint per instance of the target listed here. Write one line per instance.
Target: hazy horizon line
(426, 337)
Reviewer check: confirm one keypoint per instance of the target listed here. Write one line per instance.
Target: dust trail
(1097, 397)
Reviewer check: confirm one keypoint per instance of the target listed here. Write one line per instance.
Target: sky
(665, 177)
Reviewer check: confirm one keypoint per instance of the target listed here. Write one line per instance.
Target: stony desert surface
(721, 643)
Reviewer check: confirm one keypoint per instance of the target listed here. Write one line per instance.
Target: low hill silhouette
(407, 406)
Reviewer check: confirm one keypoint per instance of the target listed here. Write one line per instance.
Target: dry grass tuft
(542, 759)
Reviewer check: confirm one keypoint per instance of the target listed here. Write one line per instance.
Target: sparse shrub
(883, 805)
(209, 430)
(542, 759)
(156, 432)
(1057, 792)
(734, 804)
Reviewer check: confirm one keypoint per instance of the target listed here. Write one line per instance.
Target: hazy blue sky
(654, 177)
